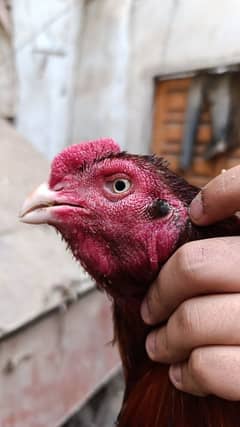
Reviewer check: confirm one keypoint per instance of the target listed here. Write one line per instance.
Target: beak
(37, 207)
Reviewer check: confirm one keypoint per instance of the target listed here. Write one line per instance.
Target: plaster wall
(87, 67)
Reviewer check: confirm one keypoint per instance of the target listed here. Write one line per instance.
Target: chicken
(122, 216)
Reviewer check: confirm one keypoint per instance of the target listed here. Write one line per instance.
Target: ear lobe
(159, 208)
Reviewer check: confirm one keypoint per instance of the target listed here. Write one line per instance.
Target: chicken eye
(121, 185)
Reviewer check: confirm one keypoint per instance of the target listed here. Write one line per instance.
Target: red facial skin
(114, 235)
(122, 242)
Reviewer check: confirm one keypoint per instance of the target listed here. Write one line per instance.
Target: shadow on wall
(103, 408)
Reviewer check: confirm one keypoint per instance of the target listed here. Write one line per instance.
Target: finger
(219, 199)
(191, 326)
(199, 267)
(210, 370)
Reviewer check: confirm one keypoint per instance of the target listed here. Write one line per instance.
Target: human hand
(198, 293)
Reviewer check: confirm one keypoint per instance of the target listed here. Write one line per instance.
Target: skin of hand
(196, 301)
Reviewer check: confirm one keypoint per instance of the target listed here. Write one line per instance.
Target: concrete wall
(46, 51)
(171, 38)
(101, 103)
(7, 69)
(87, 67)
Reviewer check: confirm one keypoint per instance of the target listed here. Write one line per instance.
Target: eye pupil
(120, 185)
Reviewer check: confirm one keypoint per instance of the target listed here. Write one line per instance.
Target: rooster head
(120, 214)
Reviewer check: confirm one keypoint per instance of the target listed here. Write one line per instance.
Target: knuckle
(197, 366)
(172, 342)
(190, 258)
(184, 259)
(184, 317)
(187, 318)
(161, 344)
(226, 179)
(153, 296)
(156, 292)
(221, 193)
(167, 338)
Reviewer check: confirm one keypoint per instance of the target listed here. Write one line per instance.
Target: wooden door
(168, 126)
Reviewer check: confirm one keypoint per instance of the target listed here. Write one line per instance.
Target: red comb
(77, 155)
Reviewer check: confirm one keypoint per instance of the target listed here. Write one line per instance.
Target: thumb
(219, 199)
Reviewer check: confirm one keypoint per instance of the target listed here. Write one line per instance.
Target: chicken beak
(35, 209)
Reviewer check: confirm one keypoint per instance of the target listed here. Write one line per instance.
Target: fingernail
(196, 207)
(151, 345)
(175, 373)
(145, 312)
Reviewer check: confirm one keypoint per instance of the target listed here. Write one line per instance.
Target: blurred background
(160, 77)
